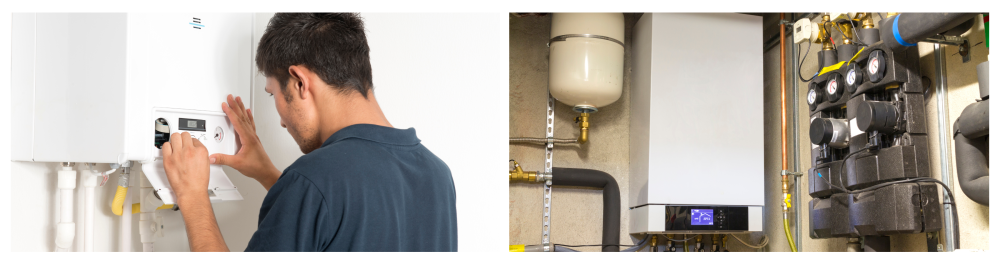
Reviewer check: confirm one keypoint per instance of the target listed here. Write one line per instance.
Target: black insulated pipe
(612, 199)
(972, 151)
(905, 30)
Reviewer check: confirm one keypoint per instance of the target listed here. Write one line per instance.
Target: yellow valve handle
(136, 206)
(788, 200)
(119, 201)
(516, 248)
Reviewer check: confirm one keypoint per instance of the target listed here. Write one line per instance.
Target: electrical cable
(631, 248)
(763, 242)
(857, 35)
(803, 61)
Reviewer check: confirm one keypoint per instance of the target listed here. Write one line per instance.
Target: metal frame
(547, 187)
(944, 141)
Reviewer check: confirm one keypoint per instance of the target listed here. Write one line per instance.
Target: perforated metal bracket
(547, 187)
(789, 173)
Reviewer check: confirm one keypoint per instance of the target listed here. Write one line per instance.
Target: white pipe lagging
(147, 207)
(66, 229)
(89, 184)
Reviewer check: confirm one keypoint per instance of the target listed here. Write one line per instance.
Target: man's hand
(250, 160)
(185, 160)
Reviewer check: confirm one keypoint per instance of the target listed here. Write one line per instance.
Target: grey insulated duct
(612, 199)
(972, 151)
(905, 30)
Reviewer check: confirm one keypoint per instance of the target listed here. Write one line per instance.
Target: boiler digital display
(701, 216)
(191, 125)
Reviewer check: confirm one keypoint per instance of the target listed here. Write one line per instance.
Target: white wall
(439, 73)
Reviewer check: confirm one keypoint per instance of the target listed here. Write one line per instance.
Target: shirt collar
(375, 133)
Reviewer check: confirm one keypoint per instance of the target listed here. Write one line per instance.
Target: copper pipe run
(784, 143)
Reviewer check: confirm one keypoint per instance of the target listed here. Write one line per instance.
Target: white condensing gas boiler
(697, 136)
(105, 88)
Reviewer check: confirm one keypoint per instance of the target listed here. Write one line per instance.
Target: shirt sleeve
(294, 217)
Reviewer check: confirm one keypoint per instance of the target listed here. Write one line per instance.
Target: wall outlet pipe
(905, 30)
(66, 229)
(89, 184)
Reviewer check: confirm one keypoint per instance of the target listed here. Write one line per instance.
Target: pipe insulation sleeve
(975, 120)
(905, 30)
(972, 156)
(66, 229)
(612, 199)
(90, 204)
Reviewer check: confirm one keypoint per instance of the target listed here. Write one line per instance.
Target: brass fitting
(867, 21)
(824, 35)
(518, 175)
(847, 31)
(890, 14)
(584, 121)
(653, 244)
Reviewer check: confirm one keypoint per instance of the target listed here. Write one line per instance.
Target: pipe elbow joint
(64, 235)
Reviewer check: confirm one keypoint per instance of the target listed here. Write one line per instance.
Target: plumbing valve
(519, 175)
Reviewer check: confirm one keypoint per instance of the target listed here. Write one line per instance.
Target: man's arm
(199, 220)
(250, 160)
(185, 161)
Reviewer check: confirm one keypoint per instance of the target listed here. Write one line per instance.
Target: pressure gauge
(876, 66)
(834, 87)
(814, 96)
(219, 134)
(853, 78)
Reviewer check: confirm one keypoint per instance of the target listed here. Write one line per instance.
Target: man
(361, 185)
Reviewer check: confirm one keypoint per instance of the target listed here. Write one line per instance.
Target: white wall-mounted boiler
(91, 87)
(697, 135)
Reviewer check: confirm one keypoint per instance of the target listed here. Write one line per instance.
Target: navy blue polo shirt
(368, 188)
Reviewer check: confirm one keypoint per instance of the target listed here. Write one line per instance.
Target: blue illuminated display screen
(701, 217)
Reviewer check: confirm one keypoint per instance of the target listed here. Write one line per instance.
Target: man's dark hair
(333, 45)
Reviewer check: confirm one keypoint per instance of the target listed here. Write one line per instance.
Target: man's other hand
(250, 160)
(185, 160)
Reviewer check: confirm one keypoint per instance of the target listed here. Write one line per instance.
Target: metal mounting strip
(941, 93)
(547, 187)
(564, 37)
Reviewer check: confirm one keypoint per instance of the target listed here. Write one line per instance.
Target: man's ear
(300, 81)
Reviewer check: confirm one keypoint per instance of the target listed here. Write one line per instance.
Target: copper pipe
(784, 125)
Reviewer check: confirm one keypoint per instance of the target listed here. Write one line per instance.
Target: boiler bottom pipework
(576, 177)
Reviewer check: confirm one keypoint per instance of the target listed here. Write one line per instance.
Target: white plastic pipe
(89, 184)
(126, 232)
(145, 215)
(66, 229)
